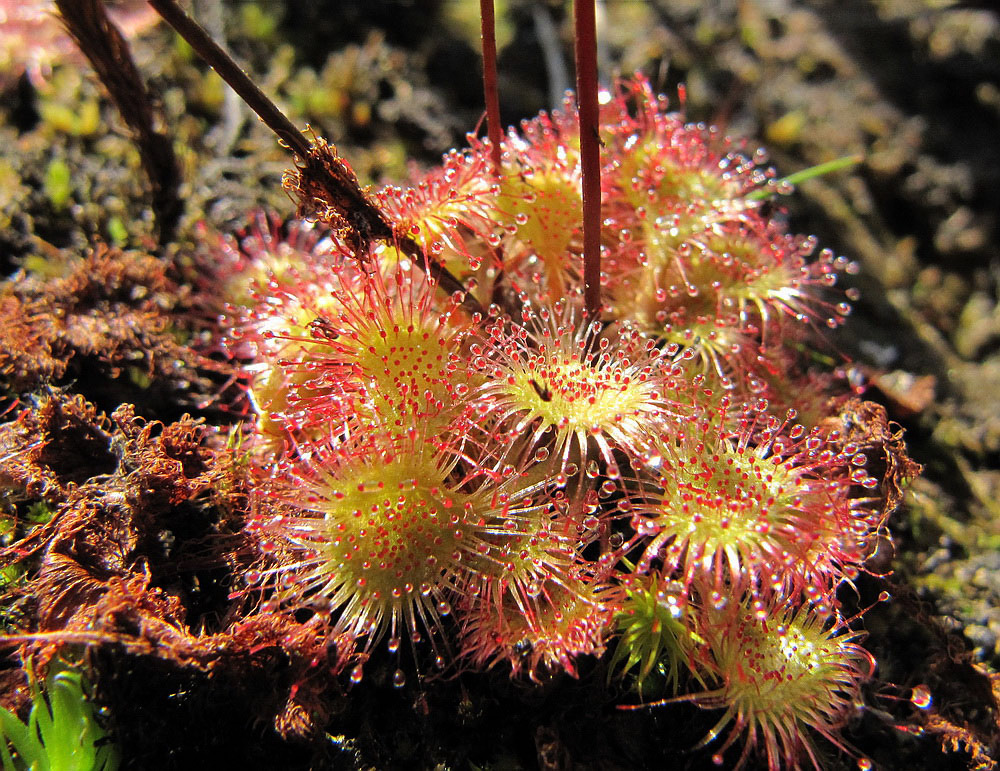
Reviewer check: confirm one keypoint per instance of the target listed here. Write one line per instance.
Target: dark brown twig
(229, 71)
(107, 50)
(324, 183)
(590, 152)
(490, 93)
(326, 187)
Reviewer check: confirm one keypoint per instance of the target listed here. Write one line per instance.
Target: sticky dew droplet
(920, 697)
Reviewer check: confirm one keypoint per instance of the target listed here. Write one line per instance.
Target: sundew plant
(515, 485)
(478, 464)
(553, 399)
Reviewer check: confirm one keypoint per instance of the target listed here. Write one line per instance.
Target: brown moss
(60, 441)
(866, 425)
(167, 464)
(113, 312)
(136, 566)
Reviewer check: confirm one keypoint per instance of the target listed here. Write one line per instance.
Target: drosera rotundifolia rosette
(523, 485)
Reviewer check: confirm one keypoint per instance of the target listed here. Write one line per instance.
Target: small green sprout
(654, 638)
(62, 733)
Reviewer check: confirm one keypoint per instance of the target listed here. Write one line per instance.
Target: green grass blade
(801, 176)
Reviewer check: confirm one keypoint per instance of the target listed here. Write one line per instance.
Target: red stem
(590, 152)
(490, 92)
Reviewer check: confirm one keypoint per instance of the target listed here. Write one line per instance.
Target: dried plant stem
(590, 152)
(108, 53)
(490, 93)
(325, 183)
(230, 72)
